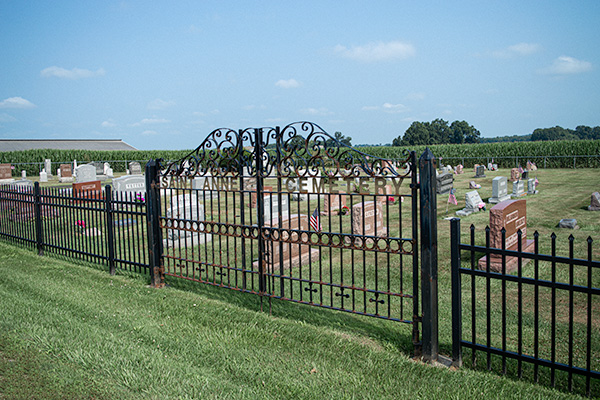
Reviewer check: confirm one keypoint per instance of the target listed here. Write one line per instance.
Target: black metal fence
(543, 315)
(103, 227)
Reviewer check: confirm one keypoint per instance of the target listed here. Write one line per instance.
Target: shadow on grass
(398, 335)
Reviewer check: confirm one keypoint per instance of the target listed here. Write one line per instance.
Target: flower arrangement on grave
(344, 210)
(81, 225)
(481, 206)
(391, 199)
(139, 198)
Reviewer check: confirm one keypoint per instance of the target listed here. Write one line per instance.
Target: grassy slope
(76, 332)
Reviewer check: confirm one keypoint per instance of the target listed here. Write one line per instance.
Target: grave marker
(515, 175)
(65, 174)
(594, 202)
(6, 173)
(85, 173)
(445, 183)
(479, 172)
(518, 189)
(367, 219)
(473, 204)
(512, 216)
(135, 168)
(499, 190)
(130, 184)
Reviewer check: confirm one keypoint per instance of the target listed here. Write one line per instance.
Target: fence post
(429, 260)
(456, 292)
(260, 218)
(110, 228)
(157, 276)
(38, 218)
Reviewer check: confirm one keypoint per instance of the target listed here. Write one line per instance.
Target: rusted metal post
(110, 227)
(157, 275)
(429, 293)
(38, 218)
(456, 292)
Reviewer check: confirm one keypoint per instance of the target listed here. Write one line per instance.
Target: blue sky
(162, 75)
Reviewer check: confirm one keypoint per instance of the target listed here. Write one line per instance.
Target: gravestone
(184, 233)
(525, 175)
(490, 166)
(23, 174)
(130, 184)
(88, 190)
(473, 204)
(514, 175)
(512, 216)
(594, 202)
(293, 254)
(85, 173)
(531, 166)
(65, 173)
(207, 184)
(332, 204)
(499, 190)
(531, 186)
(568, 223)
(272, 208)
(367, 220)
(445, 183)
(385, 193)
(48, 166)
(6, 173)
(135, 168)
(479, 172)
(22, 184)
(474, 185)
(518, 189)
(459, 169)
(43, 176)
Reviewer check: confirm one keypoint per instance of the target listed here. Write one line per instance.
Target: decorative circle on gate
(407, 247)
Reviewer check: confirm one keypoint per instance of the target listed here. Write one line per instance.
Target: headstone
(110, 173)
(495, 166)
(490, 167)
(385, 193)
(514, 175)
(568, 223)
(106, 167)
(459, 169)
(65, 174)
(294, 254)
(43, 176)
(473, 203)
(531, 186)
(135, 168)
(22, 184)
(88, 190)
(518, 189)
(367, 220)
(474, 185)
(333, 203)
(525, 175)
(531, 166)
(23, 174)
(6, 173)
(480, 172)
(499, 190)
(445, 183)
(272, 208)
(185, 224)
(130, 183)
(595, 202)
(99, 167)
(86, 173)
(512, 216)
(48, 166)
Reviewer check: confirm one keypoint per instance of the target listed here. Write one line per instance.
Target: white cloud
(7, 118)
(75, 73)
(317, 111)
(159, 104)
(151, 121)
(287, 83)
(388, 108)
(149, 133)
(108, 124)
(16, 102)
(377, 51)
(565, 65)
(519, 49)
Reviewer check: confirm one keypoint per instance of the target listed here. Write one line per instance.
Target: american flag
(536, 182)
(452, 197)
(315, 222)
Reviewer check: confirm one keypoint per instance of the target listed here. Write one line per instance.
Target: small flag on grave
(520, 169)
(315, 222)
(536, 182)
(452, 197)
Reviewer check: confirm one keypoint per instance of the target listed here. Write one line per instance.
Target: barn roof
(63, 144)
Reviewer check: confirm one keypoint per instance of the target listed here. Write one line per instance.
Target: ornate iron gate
(290, 213)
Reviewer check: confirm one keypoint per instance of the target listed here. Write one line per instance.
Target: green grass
(77, 332)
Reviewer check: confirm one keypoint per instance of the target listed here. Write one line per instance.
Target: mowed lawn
(72, 331)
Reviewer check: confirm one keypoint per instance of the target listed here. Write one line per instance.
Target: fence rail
(546, 315)
(104, 227)
(571, 161)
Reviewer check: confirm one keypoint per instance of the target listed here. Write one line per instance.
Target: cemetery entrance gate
(291, 213)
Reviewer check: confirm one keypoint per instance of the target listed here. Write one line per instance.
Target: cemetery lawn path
(72, 331)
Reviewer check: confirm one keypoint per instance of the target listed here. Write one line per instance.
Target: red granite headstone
(333, 203)
(512, 216)
(88, 190)
(5, 171)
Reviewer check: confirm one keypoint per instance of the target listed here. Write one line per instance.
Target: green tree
(339, 138)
